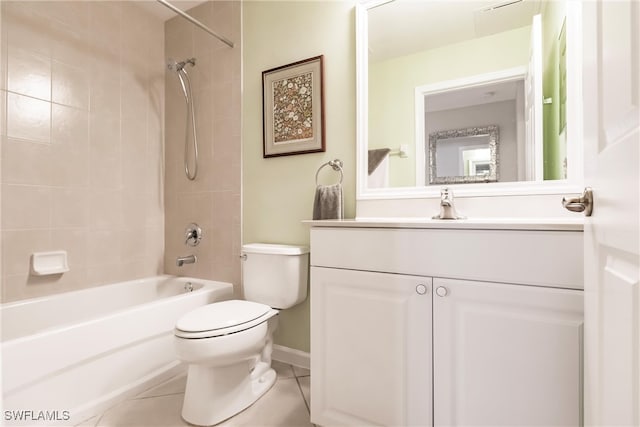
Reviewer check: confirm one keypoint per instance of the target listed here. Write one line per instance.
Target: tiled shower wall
(213, 199)
(82, 96)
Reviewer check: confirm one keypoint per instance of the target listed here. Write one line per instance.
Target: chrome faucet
(189, 259)
(447, 210)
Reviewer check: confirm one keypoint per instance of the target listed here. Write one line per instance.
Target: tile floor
(286, 404)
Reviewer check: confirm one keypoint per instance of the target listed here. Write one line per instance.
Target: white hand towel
(328, 202)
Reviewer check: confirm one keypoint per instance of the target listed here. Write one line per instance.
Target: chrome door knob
(441, 291)
(583, 203)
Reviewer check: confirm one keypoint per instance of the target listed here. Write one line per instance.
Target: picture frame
(293, 108)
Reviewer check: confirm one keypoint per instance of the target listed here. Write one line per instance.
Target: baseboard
(291, 356)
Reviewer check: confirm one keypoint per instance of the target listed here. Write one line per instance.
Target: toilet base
(216, 394)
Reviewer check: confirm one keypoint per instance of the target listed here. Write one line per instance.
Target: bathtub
(77, 353)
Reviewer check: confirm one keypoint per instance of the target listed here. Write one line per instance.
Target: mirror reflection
(462, 156)
(442, 66)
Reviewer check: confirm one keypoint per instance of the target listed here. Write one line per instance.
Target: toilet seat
(222, 318)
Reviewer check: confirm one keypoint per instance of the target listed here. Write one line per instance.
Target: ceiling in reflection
(402, 27)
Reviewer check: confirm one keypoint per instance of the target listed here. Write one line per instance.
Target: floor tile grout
(302, 394)
(157, 395)
(291, 369)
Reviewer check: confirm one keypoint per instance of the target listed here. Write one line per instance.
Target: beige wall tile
(17, 247)
(74, 241)
(3, 113)
(212, 199)
(105, 19)
(22, 286)
(69, 125)
(103, 249)
(105, 274)
(25, 162)
(105, 209)
(28, 118)
(104, 85)
(25, 207)
(72, 13)
(26, 28)
(105, 152)
(133, 94)
(70, 46)
(88, 179)
(70, 164)
(69, 207)
(134, 148)
(69, 85)
(29, 73)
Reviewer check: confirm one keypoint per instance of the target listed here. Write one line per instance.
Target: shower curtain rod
(196, 22)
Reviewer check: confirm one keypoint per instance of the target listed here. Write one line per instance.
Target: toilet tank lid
(268, 248)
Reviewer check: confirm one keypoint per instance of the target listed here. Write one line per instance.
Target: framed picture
(293, 108)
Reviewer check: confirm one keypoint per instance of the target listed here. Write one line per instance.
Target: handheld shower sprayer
(185, 83)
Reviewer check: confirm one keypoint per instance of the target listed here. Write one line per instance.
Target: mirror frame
(574, 182)
(493, 135)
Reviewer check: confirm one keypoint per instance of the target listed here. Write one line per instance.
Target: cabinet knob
(421, 289)
(442, 291)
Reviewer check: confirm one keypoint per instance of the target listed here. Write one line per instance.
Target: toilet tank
(276, 275)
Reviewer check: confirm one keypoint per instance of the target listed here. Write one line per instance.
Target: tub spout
(189, 259)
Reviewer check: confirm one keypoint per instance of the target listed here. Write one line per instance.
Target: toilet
(228, 344)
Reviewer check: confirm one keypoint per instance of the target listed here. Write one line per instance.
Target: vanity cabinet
(371, 348)
(393, 345)
(506, 355)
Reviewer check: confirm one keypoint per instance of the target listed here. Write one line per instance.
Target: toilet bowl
(228, 344)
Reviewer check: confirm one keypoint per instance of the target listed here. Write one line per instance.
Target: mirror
(461, 156)
(432, 67)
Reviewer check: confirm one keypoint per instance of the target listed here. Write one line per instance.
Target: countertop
(540, 224)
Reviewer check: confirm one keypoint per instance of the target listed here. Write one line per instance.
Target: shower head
(178, 68)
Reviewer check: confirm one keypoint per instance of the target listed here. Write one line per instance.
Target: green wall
(278, 192)
(554, 140)
(392, 86)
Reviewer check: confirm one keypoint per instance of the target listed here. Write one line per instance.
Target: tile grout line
(159, 395)
(302, 394)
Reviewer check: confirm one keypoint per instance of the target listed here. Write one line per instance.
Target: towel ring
(336, 165)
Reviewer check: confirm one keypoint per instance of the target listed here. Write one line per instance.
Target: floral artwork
(293, 108)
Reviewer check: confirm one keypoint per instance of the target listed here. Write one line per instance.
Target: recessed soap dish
(44, 263)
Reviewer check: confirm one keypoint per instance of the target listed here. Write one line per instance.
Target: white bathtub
(83, 351)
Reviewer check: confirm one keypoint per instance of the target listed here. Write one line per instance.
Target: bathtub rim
(207, 284)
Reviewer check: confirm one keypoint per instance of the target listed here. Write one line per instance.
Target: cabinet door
(370, 348)
(506, 355)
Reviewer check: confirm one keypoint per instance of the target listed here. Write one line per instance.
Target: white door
(534, 167)
(506, 355)
(612, 268)
(371, 348)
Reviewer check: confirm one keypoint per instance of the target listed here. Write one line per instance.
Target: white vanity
(446, 322)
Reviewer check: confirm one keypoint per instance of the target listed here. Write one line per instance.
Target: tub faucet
(189, 259)
(447, 209)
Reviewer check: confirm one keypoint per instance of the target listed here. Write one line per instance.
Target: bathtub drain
(188, 287)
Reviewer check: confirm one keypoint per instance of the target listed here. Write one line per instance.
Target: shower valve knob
(193, 235)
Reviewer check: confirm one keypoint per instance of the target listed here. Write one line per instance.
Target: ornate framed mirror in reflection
(464, 156)
(438, 66)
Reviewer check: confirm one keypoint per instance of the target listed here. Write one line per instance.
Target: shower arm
(196, 22)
